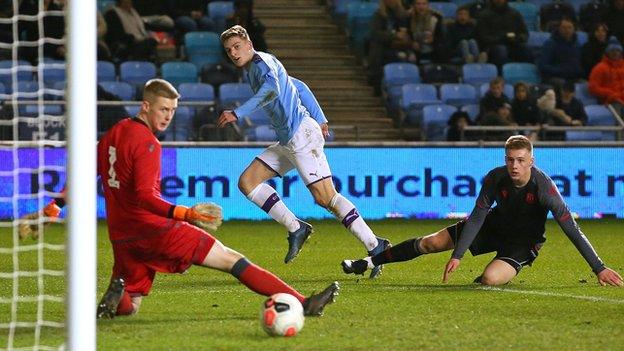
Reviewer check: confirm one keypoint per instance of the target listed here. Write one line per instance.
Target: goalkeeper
(149, 234)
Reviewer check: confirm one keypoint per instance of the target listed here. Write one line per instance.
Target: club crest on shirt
(530, 198)
(504, 193)
(150, 148)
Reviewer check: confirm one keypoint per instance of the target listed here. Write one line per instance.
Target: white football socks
(267, 199)
(346, 212)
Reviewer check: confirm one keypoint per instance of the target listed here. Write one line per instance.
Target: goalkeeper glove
(25, 230)
(207, 216)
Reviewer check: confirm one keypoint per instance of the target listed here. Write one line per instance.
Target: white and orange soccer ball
(282, 315)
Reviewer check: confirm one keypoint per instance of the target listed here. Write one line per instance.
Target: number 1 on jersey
(112, 157)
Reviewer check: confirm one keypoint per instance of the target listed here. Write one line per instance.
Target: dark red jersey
(129, 167)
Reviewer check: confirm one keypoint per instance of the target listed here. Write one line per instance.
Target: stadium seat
(528, 11)
(53, 71)
(579, 135)
(478, 73)
(137, 72)
(414, 97)
(203, 48)
(458, 94)
(447, 9)
(132, 110)
(180, 128)
(397, 74)
(27, 90)
(123, 90)
(599, 115)
(440, 74)
(536, 41)
(51, 110)
(179, 72)
(434, 121)
(56, 92)
(521, 72)
(261, 133)
(232, 95)
(106, 71)
(218, 74)
(196, 92)
(219, 11)
(472, 111)
(24, 73)
(581, 37)
(359, 15)
(581, 91)
(508, 90)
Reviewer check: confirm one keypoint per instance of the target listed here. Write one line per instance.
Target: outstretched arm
(550, 196)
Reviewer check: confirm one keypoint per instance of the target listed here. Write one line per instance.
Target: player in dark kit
(514, 229)
(149, 234)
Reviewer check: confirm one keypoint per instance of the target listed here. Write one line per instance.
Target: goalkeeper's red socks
(262, 281)
(125, 306)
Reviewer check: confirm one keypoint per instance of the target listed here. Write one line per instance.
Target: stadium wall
(411, 182)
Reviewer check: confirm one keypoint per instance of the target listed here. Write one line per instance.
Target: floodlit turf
(554, 305)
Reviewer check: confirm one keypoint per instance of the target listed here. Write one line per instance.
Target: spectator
(593, 50)
(493, 98)
(501, 32)
(524, 108)
(613, 16)
(552, 13)
(569, 111)
(155, 14)
(560, 59)
(606, 80)
(127, 37)
(458, 121)
(388, 35)
(427, 33)
(501, 117)
(462, 37)
(103, 52)
(190, 16)
(243, 16)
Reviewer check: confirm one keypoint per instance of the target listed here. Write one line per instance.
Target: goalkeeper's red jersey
(129, 167)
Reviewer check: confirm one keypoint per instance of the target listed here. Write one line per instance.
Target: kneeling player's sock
(125, 306)
(262, 281)
(404, 251)
(267, 199)
(346, 212)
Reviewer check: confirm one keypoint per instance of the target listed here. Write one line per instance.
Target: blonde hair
(235, 31)
(519, 142)
(159, 88)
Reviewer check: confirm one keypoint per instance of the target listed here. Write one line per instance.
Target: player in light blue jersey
(301, 127)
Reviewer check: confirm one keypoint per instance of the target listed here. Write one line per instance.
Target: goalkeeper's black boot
(107, 308)
(354, 267)
(296, 240)
(314, 305)
(382, 245)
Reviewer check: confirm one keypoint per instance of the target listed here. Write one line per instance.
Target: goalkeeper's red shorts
(174, 251)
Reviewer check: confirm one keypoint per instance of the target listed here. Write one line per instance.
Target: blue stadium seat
(27, 90)
(458, 94)
(24, 73)
(33, 110)
(414, 97)
(599, 115)
(53, 71)
(203, 48)
(536, 41)
(196, 92)
(132, 110)
(397, 74)
(578, 135)
(434, 121)
(179, 72)
(219, 11)
(508, 90)
(137, 72)
(478, 73)
(581, 37)
(447, 9)
(261, 133)
(232, 95)
(472, 111)
(56, 92)
(521, 72)
(581, 91)
(123, 90)
(528, 11)
(106, 71)
(359, 15)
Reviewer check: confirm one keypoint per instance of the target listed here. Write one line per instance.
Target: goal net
(37, 157)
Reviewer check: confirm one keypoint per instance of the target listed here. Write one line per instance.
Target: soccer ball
(282, 315)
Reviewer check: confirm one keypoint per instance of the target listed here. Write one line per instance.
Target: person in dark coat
(560, 59)
(593, 50)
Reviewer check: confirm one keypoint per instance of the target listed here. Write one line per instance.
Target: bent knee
(245, 185)
(493, 280)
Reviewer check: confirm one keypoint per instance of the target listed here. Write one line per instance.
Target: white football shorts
(304, 151)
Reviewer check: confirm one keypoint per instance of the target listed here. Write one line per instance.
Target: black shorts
(490, 240)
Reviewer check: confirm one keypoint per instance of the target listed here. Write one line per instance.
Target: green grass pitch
(554, 305)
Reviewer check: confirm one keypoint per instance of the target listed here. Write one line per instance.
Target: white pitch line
(546, 293)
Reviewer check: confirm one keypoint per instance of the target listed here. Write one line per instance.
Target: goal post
(81, 174)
